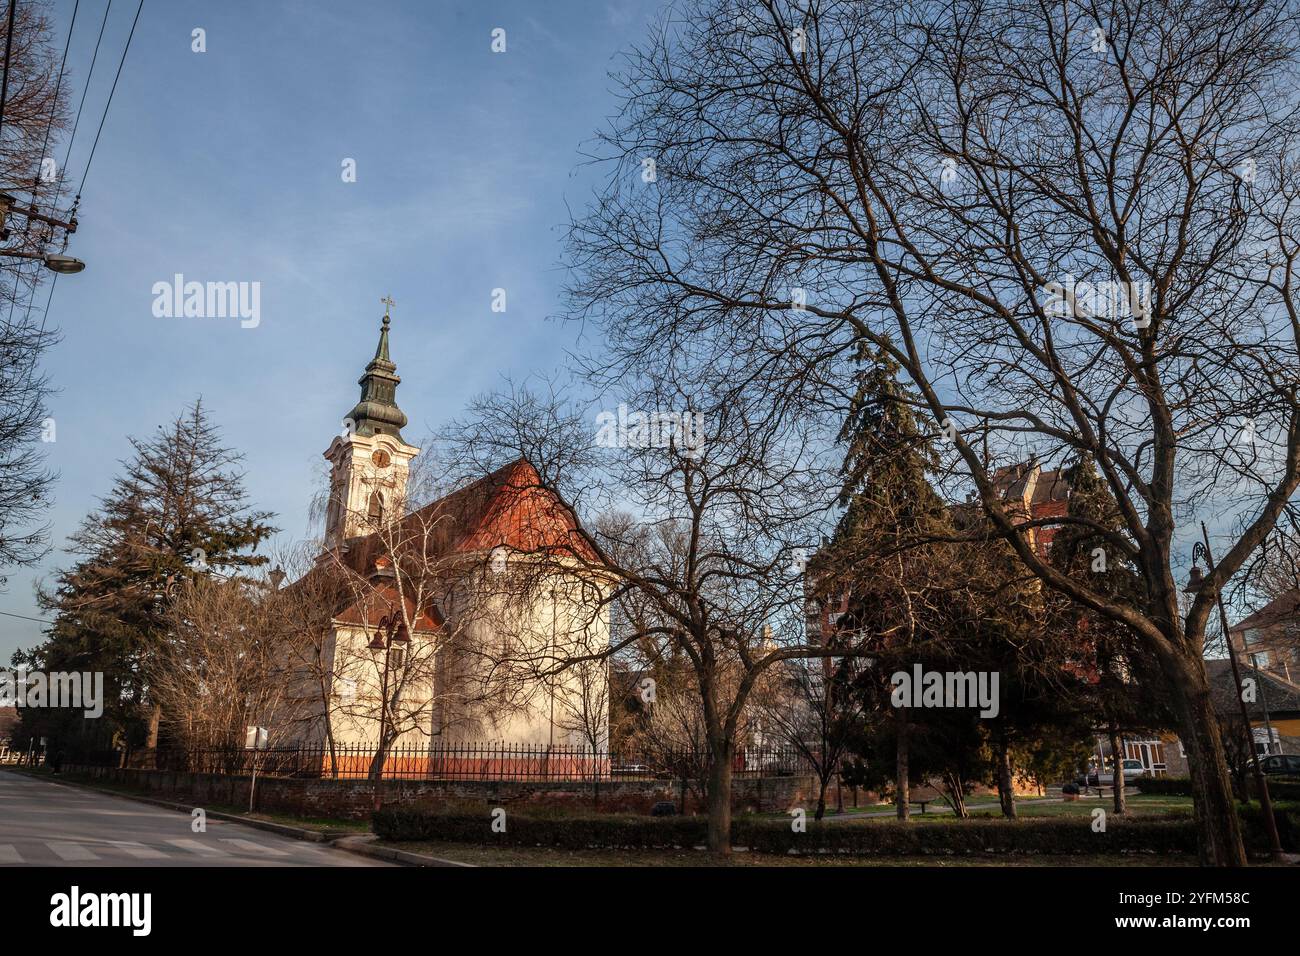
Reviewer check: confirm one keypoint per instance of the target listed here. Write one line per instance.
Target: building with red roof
(424, 602)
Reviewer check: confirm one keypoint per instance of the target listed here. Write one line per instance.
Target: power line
(86, 172)
(89, 76)
(58, 86)
(36, 180)
(67, 154)
(122, 62)
(24, 617)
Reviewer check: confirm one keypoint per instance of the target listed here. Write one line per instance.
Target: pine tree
(179, 509)
(883, 553)
(887, 492)
(1119, 685)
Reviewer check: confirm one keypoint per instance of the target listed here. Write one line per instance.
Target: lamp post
(1195, 584)
(55, 262)
(391, 630)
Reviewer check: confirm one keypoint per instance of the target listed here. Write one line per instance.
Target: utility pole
(1261, 784)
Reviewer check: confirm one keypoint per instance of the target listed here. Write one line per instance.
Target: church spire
(377, 412)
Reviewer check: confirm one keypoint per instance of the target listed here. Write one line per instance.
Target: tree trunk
(1217, 825)
(377, 770)
(1117, 780)
(821, 798)
(956, 788)
(720, 801)
(902, 791)
(1006, 794)
(151, 741)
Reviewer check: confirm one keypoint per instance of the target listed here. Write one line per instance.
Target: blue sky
(226, 166)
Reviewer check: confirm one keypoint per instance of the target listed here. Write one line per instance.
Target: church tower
(370, 462)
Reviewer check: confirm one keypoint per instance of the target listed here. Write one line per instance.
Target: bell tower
(370, 462)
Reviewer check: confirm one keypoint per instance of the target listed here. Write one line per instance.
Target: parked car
(1132, 770)
(1280, 764)
(624, 769)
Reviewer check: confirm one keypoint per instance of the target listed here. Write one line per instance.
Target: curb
(362, 845)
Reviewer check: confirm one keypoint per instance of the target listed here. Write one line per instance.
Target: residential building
(1270, 638)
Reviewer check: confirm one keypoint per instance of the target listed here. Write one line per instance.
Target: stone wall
(354, 799)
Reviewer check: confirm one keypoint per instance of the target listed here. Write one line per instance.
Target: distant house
(1275, 706)
(1270, 638)
(1032, 494)
(1028, 493)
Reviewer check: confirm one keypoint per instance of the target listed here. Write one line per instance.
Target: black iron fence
(490, 761)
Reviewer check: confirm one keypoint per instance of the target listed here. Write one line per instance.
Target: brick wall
(353, 799)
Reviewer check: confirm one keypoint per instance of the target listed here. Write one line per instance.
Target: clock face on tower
(380, 458)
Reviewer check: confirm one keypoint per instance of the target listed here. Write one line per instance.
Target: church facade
(446, 621)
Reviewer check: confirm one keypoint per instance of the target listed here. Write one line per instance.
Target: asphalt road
(45, 824)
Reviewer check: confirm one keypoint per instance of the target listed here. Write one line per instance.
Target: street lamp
(56, 262)
(1196, 582)
(64, 265)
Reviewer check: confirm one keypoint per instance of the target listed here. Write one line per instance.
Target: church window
(376, 510)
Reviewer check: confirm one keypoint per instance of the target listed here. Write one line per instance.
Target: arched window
(376, 511)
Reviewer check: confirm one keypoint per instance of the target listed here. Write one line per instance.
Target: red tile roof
(383, 601)
(508, 508)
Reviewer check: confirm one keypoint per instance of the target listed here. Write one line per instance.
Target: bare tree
(1072, 226)
(34, 113)
(584, 709)
(309, 605)
(220, 673)
(698, 559)
(810, 707)
(392, 589)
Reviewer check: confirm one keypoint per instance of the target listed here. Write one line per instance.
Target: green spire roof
(377, 412)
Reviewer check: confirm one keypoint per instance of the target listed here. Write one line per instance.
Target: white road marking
(194, 846)
(71, 852)
(249, 845)
(8, 854)
(137, 850)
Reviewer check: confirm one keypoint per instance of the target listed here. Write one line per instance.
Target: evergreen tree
(178, 509)
(885, 556)
(1117, 684)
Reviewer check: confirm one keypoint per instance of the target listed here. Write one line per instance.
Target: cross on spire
(388, 303)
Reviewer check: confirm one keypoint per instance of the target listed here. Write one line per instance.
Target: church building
(446, 619)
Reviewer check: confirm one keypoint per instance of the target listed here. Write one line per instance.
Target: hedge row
(1046, 835)
(1053, 835)
(570, 832)
(1279, 789)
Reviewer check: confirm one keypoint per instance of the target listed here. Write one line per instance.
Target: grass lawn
(1139, 804)
(545, 856)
